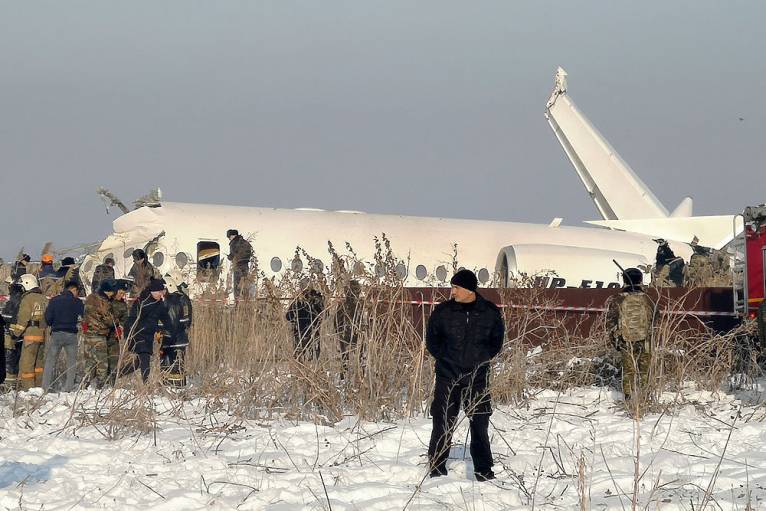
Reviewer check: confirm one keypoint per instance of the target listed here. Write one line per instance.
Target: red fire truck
(749, 261)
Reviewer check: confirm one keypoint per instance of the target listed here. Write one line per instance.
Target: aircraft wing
(712, 231)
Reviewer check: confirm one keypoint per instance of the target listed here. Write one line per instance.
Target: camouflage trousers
(96, 354)
(112, 355)
(31, 364)
(635, 372)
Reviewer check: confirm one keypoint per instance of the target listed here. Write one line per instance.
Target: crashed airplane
(190, 239)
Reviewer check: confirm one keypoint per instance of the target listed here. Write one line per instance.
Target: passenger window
(208, 255)
(296, 265)
(157, 259)
(182, 259)
(483, 275)
(276, 264)
(421, 272)
(401, 271)
(441, 273)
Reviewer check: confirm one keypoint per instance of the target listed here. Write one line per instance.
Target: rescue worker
(629, 321)
(12, 342)
(30, 326)
(98, 323)
(699, 271)
(143, 324)
(47, 276)
(240, 253)
(174, 346)
(141, 272)
(103, 271)
(669, 269)
(305, 315)
(119, 309)
(350, 322)
(463, 335)
(62, 316)
(20, 267)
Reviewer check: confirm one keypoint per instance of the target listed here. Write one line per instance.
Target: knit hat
(232, 232)
(156, 285)
(465, 279)
(107, 286)
(67, 261)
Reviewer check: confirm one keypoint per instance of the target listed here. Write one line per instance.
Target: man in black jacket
(12, 343)
(146, 314)
(463, 335)
(174, 346)
(62, 315)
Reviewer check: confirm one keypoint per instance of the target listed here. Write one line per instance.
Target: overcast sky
(423, 108)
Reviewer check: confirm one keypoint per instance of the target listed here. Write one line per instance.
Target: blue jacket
(62, 312)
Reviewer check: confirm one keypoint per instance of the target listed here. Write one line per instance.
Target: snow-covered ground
(193, 460)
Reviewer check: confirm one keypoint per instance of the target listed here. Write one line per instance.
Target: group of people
(706, 267)
(463, 335)
(45, 314)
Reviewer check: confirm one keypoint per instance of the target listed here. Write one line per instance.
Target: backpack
(635, 317)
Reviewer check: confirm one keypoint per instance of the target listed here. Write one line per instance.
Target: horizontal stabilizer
(712, 231)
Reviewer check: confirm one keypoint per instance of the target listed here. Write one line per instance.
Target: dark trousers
(142, 362)
(12, 356)
(449, 395)
(238, 278)
(307, 343)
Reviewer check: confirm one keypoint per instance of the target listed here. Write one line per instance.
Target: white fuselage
(581, 256)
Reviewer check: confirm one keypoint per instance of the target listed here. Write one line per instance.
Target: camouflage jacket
(613, 317)
(141, 274)
(30, 321)
(98, 314)
(240, 252)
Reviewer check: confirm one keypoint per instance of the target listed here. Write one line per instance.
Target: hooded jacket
(179, 308)
(463, 338)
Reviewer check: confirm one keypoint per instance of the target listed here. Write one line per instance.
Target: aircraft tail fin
(614, 187)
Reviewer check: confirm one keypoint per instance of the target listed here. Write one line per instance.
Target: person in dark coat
(240, 253)
(68, 272)
(305, 315)
(463, 335)
(102, 272)
(350, 323)
(143, 325)
(12, 343)
(174, 346)
(62, 316)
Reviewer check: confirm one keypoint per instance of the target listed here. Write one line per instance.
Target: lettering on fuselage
(559, 282)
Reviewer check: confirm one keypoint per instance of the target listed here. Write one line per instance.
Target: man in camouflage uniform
(30, 326)
(141, 272)
(699, 271)
(119, 310)
(98, 324)
(240, 253)
(629, 319)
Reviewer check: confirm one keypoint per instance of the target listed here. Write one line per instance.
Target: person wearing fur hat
(240, 253)
(141, 272)
(143, 324)
(97, 325)
(463, 335)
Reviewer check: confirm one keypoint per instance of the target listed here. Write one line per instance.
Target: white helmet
(28, 282)
(170, 284)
